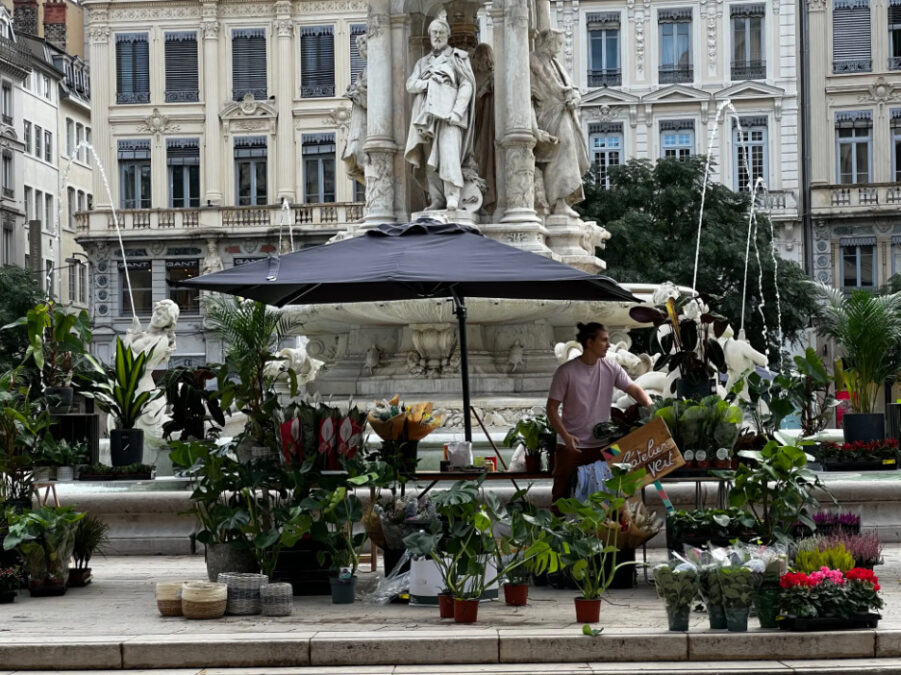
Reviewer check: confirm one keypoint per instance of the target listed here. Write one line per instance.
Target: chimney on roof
(25, 17)
(55, 23)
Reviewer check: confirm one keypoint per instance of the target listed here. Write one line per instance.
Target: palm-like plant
(116, 389)
(250, 332)
(867, 327)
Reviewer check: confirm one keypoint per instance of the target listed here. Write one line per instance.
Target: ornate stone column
(520, 225)
(380, 147)
(495, 12)
(212, 141)
(103, 71)
(285, 154)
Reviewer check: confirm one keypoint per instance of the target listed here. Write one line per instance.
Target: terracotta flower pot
(587, 610)
(466, 611)
(445, 606)
(516, 595)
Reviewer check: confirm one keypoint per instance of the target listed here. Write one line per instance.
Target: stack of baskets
(203, 600)
(168, 597)
(243, 591)
(277, 599)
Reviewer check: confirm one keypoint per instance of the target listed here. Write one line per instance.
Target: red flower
(863, 574)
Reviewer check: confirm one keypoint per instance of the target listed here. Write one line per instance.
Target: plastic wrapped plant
(677, 586)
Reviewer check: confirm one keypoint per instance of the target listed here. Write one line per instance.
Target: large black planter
(818, 623)
(863, 427)
(126, 446)
(226, 558)
(695, 390)
(61, 397)
(300, 567)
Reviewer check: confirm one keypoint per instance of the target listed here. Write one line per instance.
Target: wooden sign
(650, 447)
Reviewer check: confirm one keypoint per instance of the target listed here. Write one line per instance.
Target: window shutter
(249, 63)
(357, 63)
(317, 62)
(134, 149)
(132, 68)
(182, 152)
(248, 147)
(851, 36)
(317, 144)
(181, 67)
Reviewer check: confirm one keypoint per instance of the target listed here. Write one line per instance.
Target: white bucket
(426, 583)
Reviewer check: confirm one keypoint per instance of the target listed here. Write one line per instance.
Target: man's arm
(553, 416)
(639, 394)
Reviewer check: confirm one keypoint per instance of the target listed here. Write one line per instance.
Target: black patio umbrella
(425, 259)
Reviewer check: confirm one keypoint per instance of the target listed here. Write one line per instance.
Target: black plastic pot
(342, 590)
(126, 446)
(62, 398)
(864, 427)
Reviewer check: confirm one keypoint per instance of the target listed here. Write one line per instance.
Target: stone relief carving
(99, 35)
(376, 22)
(352, 123)
(157, 124)
(434, 346)
(284, 27)
(639, 14)
(379, 190)
(520, 164)
(881, 92)
(155, 13)
(210, 30)
(816, 5)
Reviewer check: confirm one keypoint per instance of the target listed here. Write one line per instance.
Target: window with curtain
(854, 141)
(250, 170)
(181, 67)
(748, 49)
(134, 174)
(675, 45)
(249, 63)
(894, 35)
(132, 68)
(317, 62)
(604, 69)
(858, 262)
(318, 168)
(183, 161)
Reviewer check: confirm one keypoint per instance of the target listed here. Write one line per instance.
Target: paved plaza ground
(113, 624)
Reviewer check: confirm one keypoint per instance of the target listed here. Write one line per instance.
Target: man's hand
(570, 441)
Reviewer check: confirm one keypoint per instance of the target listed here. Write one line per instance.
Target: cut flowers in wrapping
(394, 421)
(829, 593)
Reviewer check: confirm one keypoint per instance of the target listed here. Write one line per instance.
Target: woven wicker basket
(277, 599)
(168, 597)
(203, 600)
(243, 591)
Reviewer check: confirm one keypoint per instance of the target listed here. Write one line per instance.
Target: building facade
(223, 126)
(670, 79)
(855, 113)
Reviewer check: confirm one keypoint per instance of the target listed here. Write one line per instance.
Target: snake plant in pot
(116, 391)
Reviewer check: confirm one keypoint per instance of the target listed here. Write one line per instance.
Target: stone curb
(453, 646)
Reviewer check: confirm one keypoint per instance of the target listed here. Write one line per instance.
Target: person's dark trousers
(566, 462)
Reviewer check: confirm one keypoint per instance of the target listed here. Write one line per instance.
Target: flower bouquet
(322, 434)
(829, 599)
(677, 586)
(401, 428)
(636, 526)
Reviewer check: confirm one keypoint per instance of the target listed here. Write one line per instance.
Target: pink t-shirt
(586, 393)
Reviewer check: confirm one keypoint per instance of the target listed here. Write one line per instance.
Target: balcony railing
(673, 75)
(182, 96)
(777, 202)
(749, 70)
(130, 97)
(871, 197)
(609, 77)
(855, 66)
(894, 63)
(236, 217)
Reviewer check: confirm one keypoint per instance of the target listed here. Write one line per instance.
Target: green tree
(651, 211)
(18, 293)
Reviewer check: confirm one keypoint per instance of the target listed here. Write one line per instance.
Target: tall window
(48, 146)
(134, 174)
(39, 208)
(188, 299)
(356, 60)
(50, 211)
(71, 206)
(858, 262)
(140, 272)
(249, 63)
(318, 168)
(82, 283)
(677, 138)
(46, 90)
(87, 139)
(250, 170)
(894, 35)
(27, 133)
(750, 143)
(675, 45)
(748, 62)
(604, 68)
(317, 62)
(7, 176)
(896, 146)
(851, 36)
(606, 144)
(854, 140)
(70, 137)
(183, 160)
(38, 141)
(132, 68)
(6, 101)
(9, 252)
(79, 137)
(181, 67)
(73, 281)
(29, 204)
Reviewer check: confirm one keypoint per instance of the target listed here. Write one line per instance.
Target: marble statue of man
(556, 102)
(441, 124)
(353, 156)
(484, 135)
(159, 336)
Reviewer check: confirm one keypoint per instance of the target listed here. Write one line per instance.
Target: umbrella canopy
(425, 259)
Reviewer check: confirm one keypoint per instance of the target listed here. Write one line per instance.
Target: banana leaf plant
(116, 388)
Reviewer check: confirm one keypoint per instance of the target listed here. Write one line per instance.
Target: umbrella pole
(460, 311)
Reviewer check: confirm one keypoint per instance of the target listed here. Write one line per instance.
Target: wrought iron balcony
(325, 90)
(258, 94)
(608, 77)
(182, 96)
(673, 75)
(749, 70)
(894, 63)
(129, 97)
(852, 66)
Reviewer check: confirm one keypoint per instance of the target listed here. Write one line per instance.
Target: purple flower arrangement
(866, 549)
(832, 522)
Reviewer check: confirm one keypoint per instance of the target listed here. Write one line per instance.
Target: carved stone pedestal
(573, 242)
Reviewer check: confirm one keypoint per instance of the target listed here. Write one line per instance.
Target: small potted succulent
(677, 586)
(91, 535)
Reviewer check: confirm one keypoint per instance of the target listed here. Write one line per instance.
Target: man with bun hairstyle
(584, 387)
